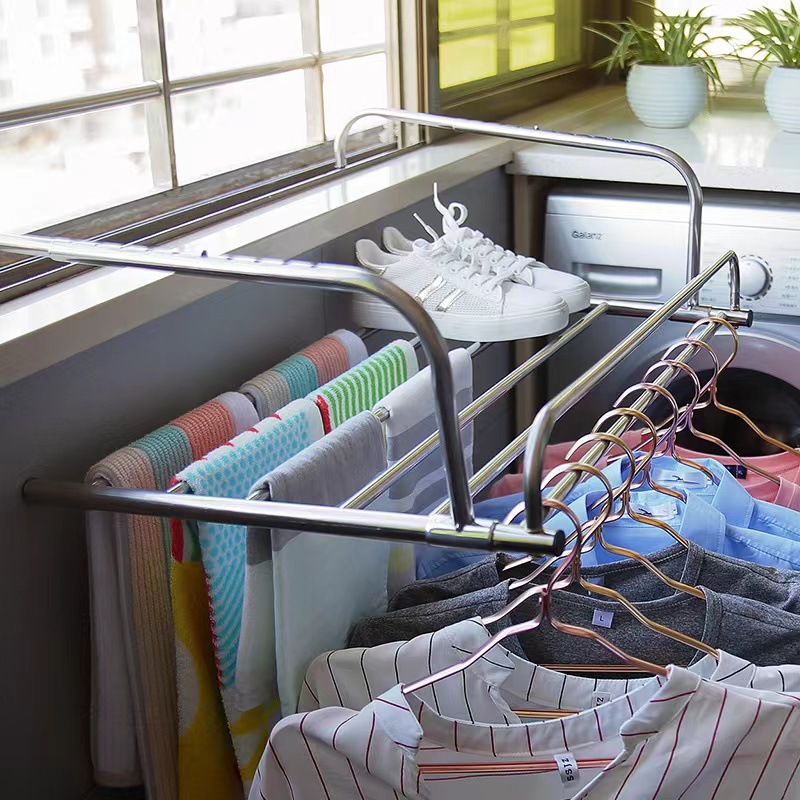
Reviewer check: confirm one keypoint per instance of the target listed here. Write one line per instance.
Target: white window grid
(158, 85)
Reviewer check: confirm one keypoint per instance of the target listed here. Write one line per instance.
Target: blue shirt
(720, 517)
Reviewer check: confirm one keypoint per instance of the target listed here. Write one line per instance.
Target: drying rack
(458, 528)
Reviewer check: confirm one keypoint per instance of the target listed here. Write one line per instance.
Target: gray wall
(60, 421)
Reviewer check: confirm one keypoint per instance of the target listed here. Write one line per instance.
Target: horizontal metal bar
(67, 106)
(549, 414)
(64, 107)
(403, 465)
(635, 308)
(292, 516)
(211, 79)
(321, 276)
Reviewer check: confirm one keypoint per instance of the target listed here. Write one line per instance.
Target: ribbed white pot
(783, 98)
(665, 96)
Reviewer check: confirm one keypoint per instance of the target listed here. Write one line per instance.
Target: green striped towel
(361, 387)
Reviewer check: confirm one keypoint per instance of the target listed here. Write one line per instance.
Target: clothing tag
(602, 619)
(600, 698)
(692, 479)
(738, 471)
(568, 770)
(664, 510)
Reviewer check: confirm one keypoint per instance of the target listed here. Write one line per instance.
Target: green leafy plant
(774, 36)
(676, 40)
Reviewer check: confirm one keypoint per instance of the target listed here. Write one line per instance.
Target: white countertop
(729, 148)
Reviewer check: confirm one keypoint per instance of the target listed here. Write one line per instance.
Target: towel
(134, 708)
(230, 471)
(361, 387)
(412, 418)
(303, 372)
(348, 575)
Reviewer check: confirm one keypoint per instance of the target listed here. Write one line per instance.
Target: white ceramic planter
(665, 96)
(783, 98)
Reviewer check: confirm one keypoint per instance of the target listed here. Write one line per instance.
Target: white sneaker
(465, 303)
(504, 263)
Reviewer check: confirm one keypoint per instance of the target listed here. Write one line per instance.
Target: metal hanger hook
(719, 320)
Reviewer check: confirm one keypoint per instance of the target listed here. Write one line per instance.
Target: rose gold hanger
(714, 397)
(685, 368)
(569, 566)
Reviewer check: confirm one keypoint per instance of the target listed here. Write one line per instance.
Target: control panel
(769, 266)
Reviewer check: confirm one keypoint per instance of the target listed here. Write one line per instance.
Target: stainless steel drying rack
(459, 528)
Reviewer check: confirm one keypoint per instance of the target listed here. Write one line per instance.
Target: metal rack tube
(578, 140)
(545, 420)
(386, 479)
(320, 519)
(322, 276)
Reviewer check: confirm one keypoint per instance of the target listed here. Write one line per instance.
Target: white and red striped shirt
(683, 737)
(498, 684)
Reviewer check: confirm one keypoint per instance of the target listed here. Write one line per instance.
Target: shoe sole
(576, 299)
(372, 313)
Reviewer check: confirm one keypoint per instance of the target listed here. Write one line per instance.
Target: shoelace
(451, 260)
(474, 244)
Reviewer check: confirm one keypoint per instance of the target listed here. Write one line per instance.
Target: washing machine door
(763, 382)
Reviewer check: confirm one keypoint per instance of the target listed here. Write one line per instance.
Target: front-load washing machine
(631, 244)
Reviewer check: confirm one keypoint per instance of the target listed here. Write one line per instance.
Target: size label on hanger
(602, 619)
(691, 479)
(568, 770)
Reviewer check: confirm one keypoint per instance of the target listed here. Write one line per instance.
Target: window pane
(57, 49)
(467, 60)
(213, 35)
(351, 86)
(351, 24)
(227, 127)
(456, 15)
(58, 170)
(527, 9)
(533, 45)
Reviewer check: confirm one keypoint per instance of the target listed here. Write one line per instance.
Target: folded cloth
(412, 418)
(348, 575)
(362, 386)
(134, 708)
(230, 471)
(302, 373)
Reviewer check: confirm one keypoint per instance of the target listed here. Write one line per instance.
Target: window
(144, 97)
(486, 45)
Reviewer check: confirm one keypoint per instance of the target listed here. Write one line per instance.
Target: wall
(61, 420)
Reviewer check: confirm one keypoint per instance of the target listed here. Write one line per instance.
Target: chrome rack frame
(462, 530)
(581, 141)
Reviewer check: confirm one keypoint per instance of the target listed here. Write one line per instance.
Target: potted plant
(775, 37)
(670, 65)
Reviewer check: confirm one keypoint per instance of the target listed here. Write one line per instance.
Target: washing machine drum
(763, 382)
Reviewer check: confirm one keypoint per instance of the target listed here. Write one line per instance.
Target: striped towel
(412, 418)
(361, 387)
(134, 710)
(230, 471)
(302, 373)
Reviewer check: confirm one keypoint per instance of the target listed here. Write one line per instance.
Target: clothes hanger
(677, 424)
(569, 566)
(714, 397)
(687, 370)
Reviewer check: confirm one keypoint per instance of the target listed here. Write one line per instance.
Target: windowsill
(50, 325)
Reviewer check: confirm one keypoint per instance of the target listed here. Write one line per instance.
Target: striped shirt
(499, 682)
(679, 737)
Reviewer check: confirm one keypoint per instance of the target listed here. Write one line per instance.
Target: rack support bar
(293, 516)
(321, 276)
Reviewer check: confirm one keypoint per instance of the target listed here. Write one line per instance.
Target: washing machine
(631, 244)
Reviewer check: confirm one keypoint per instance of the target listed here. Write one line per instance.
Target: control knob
(756, 278)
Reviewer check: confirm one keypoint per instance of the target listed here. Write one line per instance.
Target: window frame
(181, 208)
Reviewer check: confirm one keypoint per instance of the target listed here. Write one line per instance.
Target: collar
(635, 716)
(727, 495)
